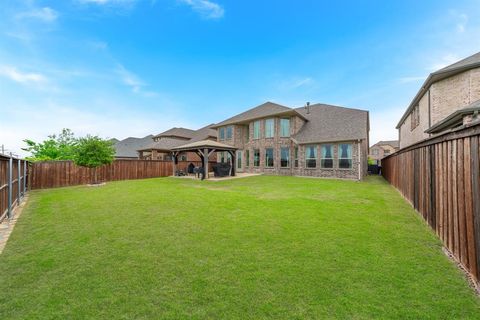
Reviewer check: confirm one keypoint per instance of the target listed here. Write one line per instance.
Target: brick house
(382, 149)
(317, 140)
(448, 99)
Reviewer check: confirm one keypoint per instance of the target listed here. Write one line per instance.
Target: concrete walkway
(7, 225)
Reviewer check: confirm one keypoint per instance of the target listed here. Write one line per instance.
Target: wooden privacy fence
(13, 184)
(441, 178)
(53, 174)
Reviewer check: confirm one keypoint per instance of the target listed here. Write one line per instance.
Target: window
(311, 156)
(415, 117)
(229, 132)
(247, 158)
(256, 130)
(247, 129)
(375, 152)
(327, 156)
(225, 157)
(256, 157)
(345, 156)
(284, 157)
(285, 127)
(385, 151)
(239, 159)
(269, 157)
(269, 128)
(296, 157)
(222, 134)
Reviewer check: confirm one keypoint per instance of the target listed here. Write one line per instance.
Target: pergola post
(234, 162)
(175, 161)
(205, 163)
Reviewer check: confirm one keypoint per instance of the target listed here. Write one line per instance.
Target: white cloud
(295, 83)
(133, 81)
(461, 20)
(411, 79)
(22, 77)
(207, 9)
(445, 60)
(45, 14)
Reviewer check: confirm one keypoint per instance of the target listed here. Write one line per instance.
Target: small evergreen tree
(93, 152)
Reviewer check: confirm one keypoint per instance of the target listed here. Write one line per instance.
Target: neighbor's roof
(455, 119)
(463, 65)
(177, 132)
(128, 147)
(393, 143)
(327, 123)
(164, 144)
(204, 144)
(266, 109)
(204, 133)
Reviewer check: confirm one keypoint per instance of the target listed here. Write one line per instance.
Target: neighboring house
(160, 147)
(127, 148)
(382, 149)
(448, 99)
(317, 140)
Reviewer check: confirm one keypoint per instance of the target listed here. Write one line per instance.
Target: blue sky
(120, 68)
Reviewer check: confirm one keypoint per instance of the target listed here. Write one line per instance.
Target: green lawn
(253, 248)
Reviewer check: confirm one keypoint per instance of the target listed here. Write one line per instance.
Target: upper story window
(221, 133)
(256, 129)
(375, 152)
(327, 156)
(311, 156)
(415, 117)
(345, 156)
(229, 132)
(386, 151)
(247, 131)
(285, 127)
(269, 128)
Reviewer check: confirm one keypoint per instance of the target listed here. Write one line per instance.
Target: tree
(56, 147)
(93, 152)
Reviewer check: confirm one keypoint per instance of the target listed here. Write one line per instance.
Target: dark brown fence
(441, 178)
(53, 174)
(13, 184)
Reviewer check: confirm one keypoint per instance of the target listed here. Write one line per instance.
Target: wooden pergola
(204, 150)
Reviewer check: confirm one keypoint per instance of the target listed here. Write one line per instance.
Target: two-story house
(448, 99)
(382, 149)
(316, 140)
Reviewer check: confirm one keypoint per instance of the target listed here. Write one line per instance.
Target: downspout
(359, 161)
(429, 112)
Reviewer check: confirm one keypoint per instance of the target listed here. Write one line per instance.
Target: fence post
(19, 185)
(24, 177)
(10, 171)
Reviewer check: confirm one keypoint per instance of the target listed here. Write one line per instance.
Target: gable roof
(266, 109)
(205, 144)
(468, 63)
(204, 133)
(164, 144)
(177, 132)
(327, 123)
(127, 148)
(393, 143)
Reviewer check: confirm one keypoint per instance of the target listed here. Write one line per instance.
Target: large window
(269, 128)
(239, 159)
(311, 156)
(229, 132)
(345, 156)
(284, 157)
(247, 129)
(296, 157)
(221, 133)
(256, 157)
(225, 157)
(269, 157)
(327, 156)
(285, 127)
(375, 152)
(247, 158)
(256, 130)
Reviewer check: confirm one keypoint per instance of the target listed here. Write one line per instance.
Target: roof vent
(307, 107)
